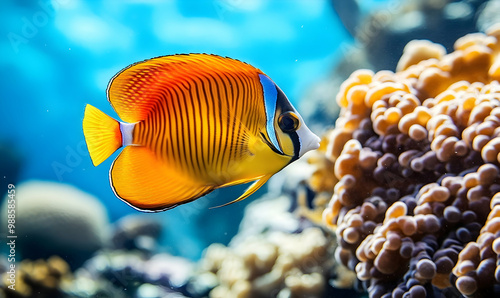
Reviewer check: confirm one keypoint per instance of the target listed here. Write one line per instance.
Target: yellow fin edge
(250, 190)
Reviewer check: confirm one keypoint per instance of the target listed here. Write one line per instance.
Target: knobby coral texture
(273, 265)
(415, 155)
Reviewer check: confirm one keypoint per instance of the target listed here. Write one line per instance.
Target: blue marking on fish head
(270, 102)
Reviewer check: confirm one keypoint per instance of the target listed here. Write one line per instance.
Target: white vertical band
(126, 129)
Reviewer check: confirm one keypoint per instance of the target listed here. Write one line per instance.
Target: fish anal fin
(147, 183)
(250, 190)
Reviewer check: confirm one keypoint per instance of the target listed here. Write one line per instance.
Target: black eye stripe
(265, 139)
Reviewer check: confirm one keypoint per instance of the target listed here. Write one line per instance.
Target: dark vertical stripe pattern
(199, 116)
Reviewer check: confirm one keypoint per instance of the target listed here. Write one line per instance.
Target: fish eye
(288, 122)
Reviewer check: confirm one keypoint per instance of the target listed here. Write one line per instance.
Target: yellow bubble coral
(415, 156)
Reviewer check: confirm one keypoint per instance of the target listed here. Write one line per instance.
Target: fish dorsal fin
(250, 190)
(135, 90)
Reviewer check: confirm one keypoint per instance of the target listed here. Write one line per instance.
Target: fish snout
(310, 141)
(313, 143)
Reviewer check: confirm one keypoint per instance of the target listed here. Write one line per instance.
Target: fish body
(191, 124)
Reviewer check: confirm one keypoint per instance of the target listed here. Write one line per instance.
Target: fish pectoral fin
(148, 183)
(250, 190)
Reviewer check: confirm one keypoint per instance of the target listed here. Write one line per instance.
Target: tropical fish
(193, 123)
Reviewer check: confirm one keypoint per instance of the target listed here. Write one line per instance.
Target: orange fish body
(193, 123)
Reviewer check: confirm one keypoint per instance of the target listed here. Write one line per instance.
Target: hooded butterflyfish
(193, 123)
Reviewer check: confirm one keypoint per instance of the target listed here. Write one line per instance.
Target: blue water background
(57, 56)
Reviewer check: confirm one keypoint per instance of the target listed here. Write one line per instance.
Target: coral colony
(415, 156)
(286, 265)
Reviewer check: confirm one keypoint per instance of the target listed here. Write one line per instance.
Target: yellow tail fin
(102, 134)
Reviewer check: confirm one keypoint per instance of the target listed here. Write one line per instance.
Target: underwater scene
(231, 148)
